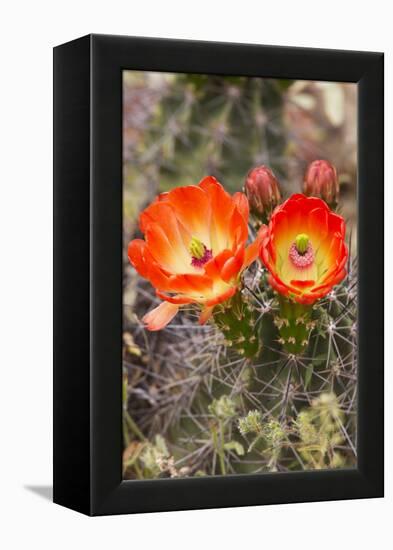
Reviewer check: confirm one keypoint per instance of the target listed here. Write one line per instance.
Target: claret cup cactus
(273, 284)
(195, 252)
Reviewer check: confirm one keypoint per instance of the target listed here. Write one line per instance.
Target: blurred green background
(179, 128)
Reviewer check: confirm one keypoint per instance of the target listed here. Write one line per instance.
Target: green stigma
(301, 242)
(196, 248)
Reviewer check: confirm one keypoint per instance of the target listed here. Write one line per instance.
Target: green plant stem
(219, 446)
(133, 460)
(221, 452)
(286, 394)
(133, 427)
(125, 433)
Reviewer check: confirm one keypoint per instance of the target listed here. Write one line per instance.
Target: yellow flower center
(301, 242)
(199, 253)
(196, 248)
(301, 252)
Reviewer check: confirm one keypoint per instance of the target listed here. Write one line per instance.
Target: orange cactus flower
(194, 249)
(304, 249)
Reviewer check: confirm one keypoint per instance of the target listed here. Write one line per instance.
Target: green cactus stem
(294, 323)
(237, 321)
(233, 135)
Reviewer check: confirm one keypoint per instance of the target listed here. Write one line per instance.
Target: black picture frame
(88, 274)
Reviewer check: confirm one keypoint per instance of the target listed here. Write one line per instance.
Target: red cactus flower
(304, 249)
(194, 249)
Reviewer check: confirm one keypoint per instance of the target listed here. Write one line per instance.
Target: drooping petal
(205, 315)
(160, 316)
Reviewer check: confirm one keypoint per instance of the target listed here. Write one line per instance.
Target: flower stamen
(301, 252)
(301, 242)
(199, 252)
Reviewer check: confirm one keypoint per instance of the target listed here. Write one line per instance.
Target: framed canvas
(218, 275)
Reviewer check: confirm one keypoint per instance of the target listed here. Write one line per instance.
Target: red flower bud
(320, 180)
(262, 190)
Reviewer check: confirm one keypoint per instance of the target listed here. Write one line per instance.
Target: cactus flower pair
(195, 248)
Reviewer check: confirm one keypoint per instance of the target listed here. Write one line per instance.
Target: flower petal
(337, 224)
(163, 214)
(193, 210)
(213, 267)
(232, 267)
(136, 255)
(222, 297)
(238, 229)
(164, 251)
(251, 252)
(205, 315)
(191, 284)
(159, 317)
(242, 205)
(318, 224)
(302, 284)
(222, 207)
(178, 299)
